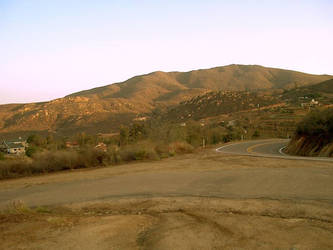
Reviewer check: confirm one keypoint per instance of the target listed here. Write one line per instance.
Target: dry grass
(54, 161)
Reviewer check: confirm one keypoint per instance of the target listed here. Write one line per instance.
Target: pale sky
(51, 48)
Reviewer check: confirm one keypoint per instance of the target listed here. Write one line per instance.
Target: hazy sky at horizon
(49, 49)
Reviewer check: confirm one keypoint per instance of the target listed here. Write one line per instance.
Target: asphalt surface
(265, 148)
(261, 182)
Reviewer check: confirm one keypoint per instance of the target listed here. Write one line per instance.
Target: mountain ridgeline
(104, 109)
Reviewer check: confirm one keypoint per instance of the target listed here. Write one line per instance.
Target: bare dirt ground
(206, 200)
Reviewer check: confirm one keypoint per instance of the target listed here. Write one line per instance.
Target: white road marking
(225, 146)
(281, 152)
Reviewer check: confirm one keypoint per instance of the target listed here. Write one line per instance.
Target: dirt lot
(201, 201)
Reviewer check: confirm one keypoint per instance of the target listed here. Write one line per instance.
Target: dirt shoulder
(172, 223)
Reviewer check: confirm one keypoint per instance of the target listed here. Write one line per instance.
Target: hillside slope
(322, 92)
(105, 108)
(326, 87)
(314, 135)
(217, 103)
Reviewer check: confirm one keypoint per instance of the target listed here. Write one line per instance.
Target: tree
(37, 140)
(194, 134)
(136, 132)
(317, 124)
(50, 139)
(31, 150)
(124, 135)
(84, 139)
(256, 134)
(2, 156)
(227, 137)
(215, 135)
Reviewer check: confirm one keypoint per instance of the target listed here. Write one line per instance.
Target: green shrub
(47, 161)
(163, 150)
(37, 140)
(180, 148)
(215, 135)
(91, 157)
(114, 155)
(256, 134)
(50, 161)
(31, 150)
(14, 168)
(138, 152)
(314, 135)
(317, 123)
(227, 138)
(2, 156)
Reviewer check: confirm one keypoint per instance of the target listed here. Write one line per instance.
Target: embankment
(314, 135)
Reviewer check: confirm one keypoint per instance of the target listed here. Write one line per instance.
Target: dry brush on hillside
(314, 135)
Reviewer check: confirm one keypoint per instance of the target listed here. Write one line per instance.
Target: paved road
(215, 175)
(265, 148)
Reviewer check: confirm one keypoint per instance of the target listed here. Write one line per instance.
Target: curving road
(206, 174)
(265, 148)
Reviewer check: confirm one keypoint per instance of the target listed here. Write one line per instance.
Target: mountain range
(103, 109)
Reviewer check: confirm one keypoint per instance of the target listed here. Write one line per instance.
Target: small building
(13, 147)
(312, 103)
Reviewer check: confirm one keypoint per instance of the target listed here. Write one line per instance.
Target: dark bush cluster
(314, 135)
(317, 124)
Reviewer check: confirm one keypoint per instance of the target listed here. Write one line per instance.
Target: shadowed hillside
(105, 108)
(314, 135)
(322, 92)
(326, 86)
(217, 103)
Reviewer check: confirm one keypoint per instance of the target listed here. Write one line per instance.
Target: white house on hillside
(13, 147)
